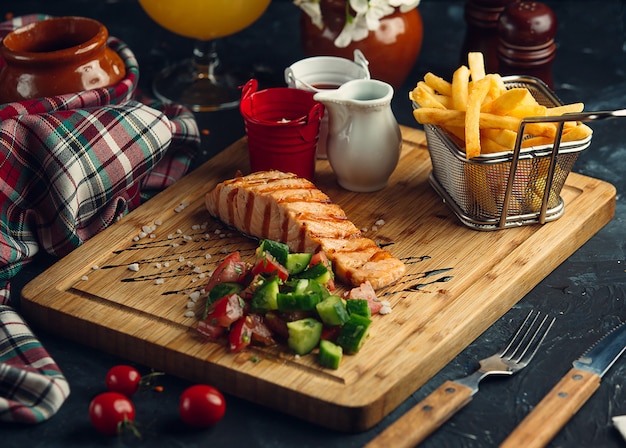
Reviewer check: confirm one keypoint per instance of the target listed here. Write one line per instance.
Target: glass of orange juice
(200, 83)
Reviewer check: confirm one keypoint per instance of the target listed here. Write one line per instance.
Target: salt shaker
(526, 32)
(481, 17)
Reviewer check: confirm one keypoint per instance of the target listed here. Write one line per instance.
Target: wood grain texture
(458, 282)
(425, 417)
(552, 413)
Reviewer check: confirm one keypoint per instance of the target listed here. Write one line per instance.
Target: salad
(285, 297)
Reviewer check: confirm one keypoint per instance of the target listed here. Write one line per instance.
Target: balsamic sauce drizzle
(219, 243)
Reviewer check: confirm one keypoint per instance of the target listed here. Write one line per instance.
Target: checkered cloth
(73, 164)
(70, 166)
(32, 387)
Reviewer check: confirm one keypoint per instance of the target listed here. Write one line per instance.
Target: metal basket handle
(561, 120)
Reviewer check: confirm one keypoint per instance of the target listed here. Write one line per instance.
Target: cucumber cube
(304, 335)
(358, 306)
(354, 333)
(332, 311)
(330, 354)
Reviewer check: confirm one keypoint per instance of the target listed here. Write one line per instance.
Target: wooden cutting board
(459, 281)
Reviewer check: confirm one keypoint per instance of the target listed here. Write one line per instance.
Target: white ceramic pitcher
(364, 140)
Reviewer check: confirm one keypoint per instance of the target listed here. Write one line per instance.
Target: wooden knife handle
(554, 410)
(425, 417)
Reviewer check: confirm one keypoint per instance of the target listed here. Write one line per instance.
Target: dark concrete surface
(586, 293)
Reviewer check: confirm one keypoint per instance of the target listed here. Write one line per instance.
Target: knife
(571, 392)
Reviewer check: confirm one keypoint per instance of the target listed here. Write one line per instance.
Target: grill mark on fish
(284, 207)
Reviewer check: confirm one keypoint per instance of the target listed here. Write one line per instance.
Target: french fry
(489, 146)
(472, 116)
(476, 63)
(503, 137)
(508, 101)
(579, 132)
(566, 108)
(425, 96)
(460, 88)
(438, 84)
(479, 111)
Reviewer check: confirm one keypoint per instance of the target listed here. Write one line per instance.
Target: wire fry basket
(507, 189)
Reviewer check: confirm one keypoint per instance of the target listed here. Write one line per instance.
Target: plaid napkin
(73, 164)
(70, 166)
(32, 387)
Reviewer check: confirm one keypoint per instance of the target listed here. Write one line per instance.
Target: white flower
(366, 18)
(311, 9)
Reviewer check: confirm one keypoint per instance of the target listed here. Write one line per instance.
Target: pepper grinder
(526, 32)
(481, 34)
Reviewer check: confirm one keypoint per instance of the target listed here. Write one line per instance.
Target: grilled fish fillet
(284, 207)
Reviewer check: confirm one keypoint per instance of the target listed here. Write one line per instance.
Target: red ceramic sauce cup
(282, 125)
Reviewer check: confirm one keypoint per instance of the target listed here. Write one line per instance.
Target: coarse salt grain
(190, 314)
(194, 296)
(191, 304)
(207, 256)
(380, 222)
(84, 278)
(142, 234)
(385, 310)
(157, 265)
(133, 267)
(95, 267)
(197, 270)
(159, 281)
(181, 259)
(158, 222)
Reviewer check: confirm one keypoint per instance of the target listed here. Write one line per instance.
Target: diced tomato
(276, 324)
(331, 333)
(210, 330)
(231, 269)
(255, 283)
(320, 257)
(267, 264)
(240, 335)
(260, 332)
(226, 310)
(366, 292)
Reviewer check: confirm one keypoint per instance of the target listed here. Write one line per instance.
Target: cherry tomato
(111, 413)
(201, 406)
(123, 379)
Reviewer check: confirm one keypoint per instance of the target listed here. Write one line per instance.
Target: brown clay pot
(57, 56)
(392, 50)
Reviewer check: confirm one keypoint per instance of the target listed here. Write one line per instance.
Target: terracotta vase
(392, 50)
(57, 56)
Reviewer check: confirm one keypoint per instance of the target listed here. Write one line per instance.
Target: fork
(434, 410)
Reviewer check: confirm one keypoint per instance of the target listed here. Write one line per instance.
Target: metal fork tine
(527, 338)
(536, 341)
